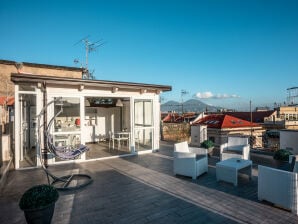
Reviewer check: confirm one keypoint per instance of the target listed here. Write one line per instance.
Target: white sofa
(190, 161)
(278, 187)
(236, 147)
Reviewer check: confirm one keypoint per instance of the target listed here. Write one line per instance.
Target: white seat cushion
(236, 148)
(181, 147)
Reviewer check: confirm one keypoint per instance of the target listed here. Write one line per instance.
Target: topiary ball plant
(207, 144)
(38, 197)
(282, 155)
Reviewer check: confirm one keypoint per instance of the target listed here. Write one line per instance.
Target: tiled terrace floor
(142, 189)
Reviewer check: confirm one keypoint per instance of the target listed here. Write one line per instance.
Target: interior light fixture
(119, 103)
(87, 103)
(115, 89)
(81, 87)
(143, 91)
(39, 85)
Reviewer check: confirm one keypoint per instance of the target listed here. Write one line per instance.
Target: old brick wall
(59, 72)
(6, 86)
(7, 68)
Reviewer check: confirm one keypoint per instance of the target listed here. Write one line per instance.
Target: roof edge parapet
(29, 78)
(59, 67)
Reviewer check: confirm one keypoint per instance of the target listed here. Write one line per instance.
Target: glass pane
(143, 139)
(67, 123)
(28, 129)
(69, 118)
(143, 113)
(70, 140)
(143, 124)
(27, 88)
(139, 113)
(148, 113)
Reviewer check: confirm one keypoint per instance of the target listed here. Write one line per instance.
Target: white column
(132, 125)
(17, 126)
(156, 123)
(82, 123)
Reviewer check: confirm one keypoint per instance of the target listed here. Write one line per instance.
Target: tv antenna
(183, 93)
(89, 47)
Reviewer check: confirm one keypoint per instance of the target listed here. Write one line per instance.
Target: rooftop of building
(143, 189)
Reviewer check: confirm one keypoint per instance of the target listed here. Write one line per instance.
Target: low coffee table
(227, 170)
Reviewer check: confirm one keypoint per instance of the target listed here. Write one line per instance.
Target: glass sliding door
(67, 125)
(143, 124)
(28, 130)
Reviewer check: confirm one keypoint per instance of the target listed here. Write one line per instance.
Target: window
(27, 88)
(291, 117)
(143, 122)
(143, 113)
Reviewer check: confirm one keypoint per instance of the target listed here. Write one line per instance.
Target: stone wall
(176, 132)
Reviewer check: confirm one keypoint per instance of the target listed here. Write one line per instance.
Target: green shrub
(38, 197)
(207, 144)
(282, 155)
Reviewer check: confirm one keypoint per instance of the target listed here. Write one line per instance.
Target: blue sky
(223, 52)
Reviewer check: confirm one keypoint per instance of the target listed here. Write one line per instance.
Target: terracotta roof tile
(224, 121)
(10, 101)
(257, 116)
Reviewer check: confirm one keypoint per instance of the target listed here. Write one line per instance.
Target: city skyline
(224, 53)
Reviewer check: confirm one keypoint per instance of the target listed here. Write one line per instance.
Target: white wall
(198, 134)
(104, 120)
(289, 140)
(99, 121)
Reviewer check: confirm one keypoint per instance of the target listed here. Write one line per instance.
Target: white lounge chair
(190, 161)
(236, 147)
(279, 187)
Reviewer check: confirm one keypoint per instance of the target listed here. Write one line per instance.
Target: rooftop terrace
(143, 189)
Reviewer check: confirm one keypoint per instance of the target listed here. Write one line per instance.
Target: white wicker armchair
(278, 187)
(190, 161)
(236, 147)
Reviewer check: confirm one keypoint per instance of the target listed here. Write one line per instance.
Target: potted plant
(38, 203)
(208, 144)
(281, 157)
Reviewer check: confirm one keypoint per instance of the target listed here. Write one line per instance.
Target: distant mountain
(191, 105)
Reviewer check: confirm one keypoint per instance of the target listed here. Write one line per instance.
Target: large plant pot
(38, 204)
(210, 151)
(279, 164)
(40, 216)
